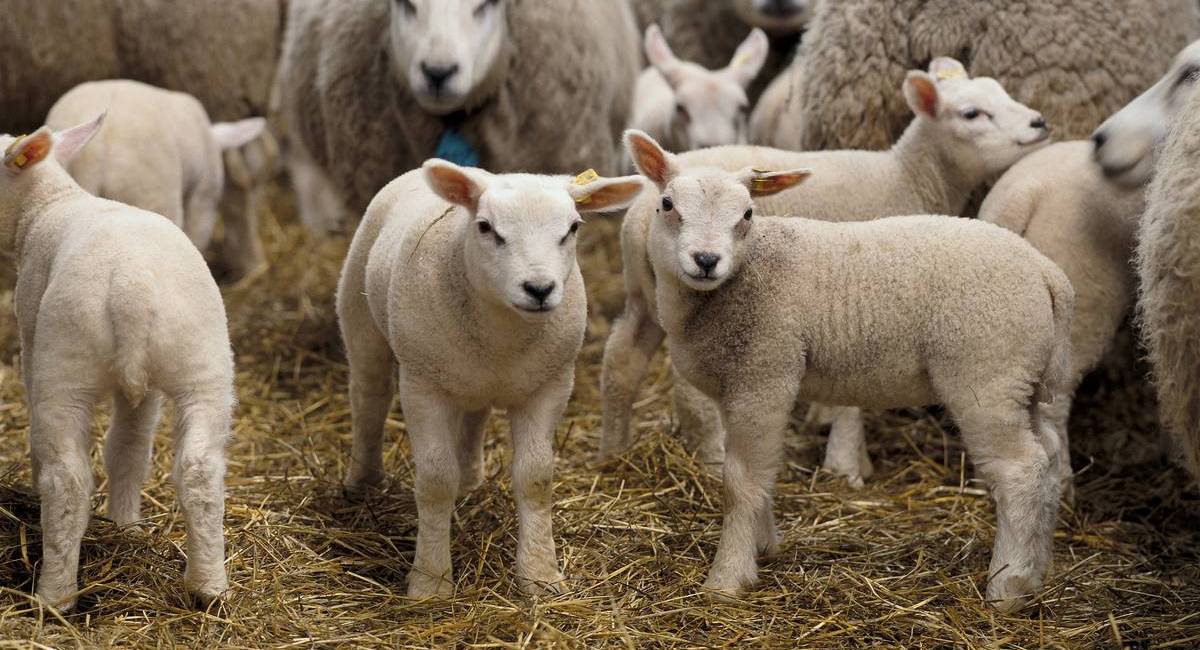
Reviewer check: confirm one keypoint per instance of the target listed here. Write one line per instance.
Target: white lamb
(966, 131)
(687, 106)
(467, 284)
(158, 151)
(114, 300)
(906, 311)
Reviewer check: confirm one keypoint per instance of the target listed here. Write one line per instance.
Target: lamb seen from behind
(466, 283)
(897, 312)
(113, 300)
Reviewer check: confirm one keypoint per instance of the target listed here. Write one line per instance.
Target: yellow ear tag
(20, 160)
(587, 177)
(951, 73)
(760, 183)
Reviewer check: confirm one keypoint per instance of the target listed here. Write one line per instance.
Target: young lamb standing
(466, 283)
(966, 132)
(114, 300)
(158, 151)
(686, 106)
(369, 90)
(760, 311)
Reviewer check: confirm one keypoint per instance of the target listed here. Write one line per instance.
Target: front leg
(533, 485)
(755, 420)
(433, 430)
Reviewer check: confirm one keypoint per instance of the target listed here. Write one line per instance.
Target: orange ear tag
(587, 177)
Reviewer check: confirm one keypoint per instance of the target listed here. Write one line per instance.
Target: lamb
(223, 53)
(1077, 60)
(114, 300)
(962, 313)
(966, 131)
(686, 106)
(158, 151)
(467, 283)
(487, 85)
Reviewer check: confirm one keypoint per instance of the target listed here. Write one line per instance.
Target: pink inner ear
(651, 160)
(455, 187)
(927, 96)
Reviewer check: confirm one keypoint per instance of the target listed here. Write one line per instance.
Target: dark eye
(971, 113)
(749, 213)
(484, 227)
(570, 231)
(1189, 74)
(667, 205)
(484, 6)
(409, 8)
(682, 112)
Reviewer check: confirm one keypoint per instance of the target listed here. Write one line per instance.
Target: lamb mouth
(540, 309)
(703, 279)
(1038, 139)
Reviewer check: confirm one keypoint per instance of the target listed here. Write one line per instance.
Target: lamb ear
(921, 92)
(749, 58)
(594, 194)
(651, 160)
(944, 67)
(29, 150)
(659, 54)
(233, 135)
(67, 144)
(458, 185)
(765, 183)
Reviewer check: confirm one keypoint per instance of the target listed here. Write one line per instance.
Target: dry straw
(898, 564)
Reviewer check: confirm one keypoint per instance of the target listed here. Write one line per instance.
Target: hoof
(1012, 593)
(358, 484)
(550, 583)
(421, 585)
(61, 599)
(205, 590)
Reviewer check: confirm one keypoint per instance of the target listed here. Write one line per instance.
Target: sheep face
(775, 16)
(1126, 144)
(446, 48)
(704, 215)
(974, 119)
(520, 239)
(711, 106)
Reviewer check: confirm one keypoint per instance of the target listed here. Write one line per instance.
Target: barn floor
(901, 563)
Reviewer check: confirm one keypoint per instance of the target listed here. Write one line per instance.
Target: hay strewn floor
(898, 564)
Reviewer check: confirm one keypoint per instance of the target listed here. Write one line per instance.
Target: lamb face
(704, 215)
(982, 126)
(775, 16)
(445, 48)
(1127, 143)
(520, 248)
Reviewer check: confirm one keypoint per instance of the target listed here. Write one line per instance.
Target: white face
(445, 48)
(775, 16)
(980, 125)
(704, 217)
(1127, 143)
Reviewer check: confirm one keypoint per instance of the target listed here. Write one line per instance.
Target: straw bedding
(900, 563)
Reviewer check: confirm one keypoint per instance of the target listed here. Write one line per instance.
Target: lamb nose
(1099, 139)
(539, 292)
(1038, 122)
(706, 261)
(437, 74)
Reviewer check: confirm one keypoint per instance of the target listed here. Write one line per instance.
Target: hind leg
(60, 441)
(199, 474)
(999, 437)
(846, 451)
(699, 423)
(372, 386)
(1054, 419)
(127, 449)
(470, 450)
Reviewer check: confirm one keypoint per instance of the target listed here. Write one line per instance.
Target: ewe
(464, 285)
(906, 311)
(113, 300)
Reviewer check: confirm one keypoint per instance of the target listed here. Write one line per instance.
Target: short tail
(1056, 377)
(132, 314)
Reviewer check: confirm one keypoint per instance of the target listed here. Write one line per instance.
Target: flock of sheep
(463, 141)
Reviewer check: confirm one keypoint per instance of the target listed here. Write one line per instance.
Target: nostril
(438, 74)
(706, 261)
(1038, 122)
(1098, 138)
(539, 292)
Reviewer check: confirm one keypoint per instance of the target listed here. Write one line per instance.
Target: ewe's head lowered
(974, 118)
(520, 239)
(1127, 142)
(447, 48)
(703, 214)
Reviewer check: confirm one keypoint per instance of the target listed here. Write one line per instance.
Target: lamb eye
(667, 205)
(485, 228)
(484, 6)
(749, 214)
(971, 113)
(682, 112)
(570, 231)
(1189, 74)
(409, 8)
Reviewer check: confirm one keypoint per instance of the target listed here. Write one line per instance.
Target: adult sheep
(369, 90)
(1073, 60)
(223, 53)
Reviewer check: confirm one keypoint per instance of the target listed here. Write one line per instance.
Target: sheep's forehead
(532, 201)
(979, 90)
(705, 192)
(711, 89)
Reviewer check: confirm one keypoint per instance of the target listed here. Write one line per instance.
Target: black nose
(1098, 138)
(539, 292)
(1038, 122)
(706, 261)
(781, 8)
(437, 75)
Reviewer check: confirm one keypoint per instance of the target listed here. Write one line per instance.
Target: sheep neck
(47, 185)
(942, 183)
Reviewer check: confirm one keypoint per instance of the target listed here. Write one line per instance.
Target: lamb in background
(113, 300)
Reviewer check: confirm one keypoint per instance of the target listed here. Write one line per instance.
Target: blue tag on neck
(455, 148)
